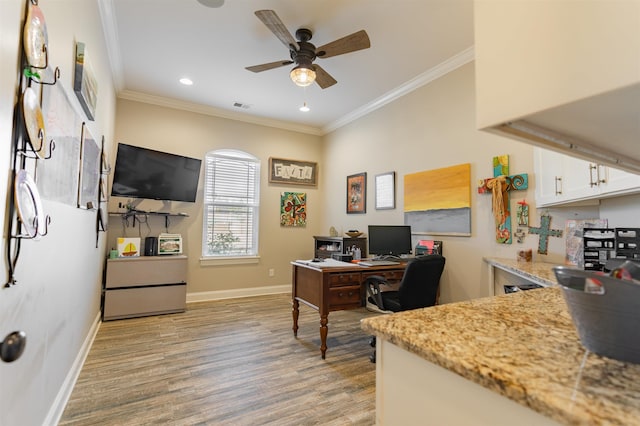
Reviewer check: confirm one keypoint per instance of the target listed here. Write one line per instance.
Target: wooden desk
(327, 289)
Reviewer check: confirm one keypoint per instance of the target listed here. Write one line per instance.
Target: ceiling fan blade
(356, 41)
(323, 78)
(269, 66)
(273, 22)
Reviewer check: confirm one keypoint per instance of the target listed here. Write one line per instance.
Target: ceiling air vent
(241, 105)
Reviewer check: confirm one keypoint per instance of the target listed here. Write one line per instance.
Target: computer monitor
(389, 240)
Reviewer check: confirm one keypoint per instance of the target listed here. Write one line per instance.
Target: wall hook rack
(34, 77)
(37, 227)
(24, 152)
(32, 153)
(45, 51)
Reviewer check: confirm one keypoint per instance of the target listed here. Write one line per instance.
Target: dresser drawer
(390, 276)
(143, 301)
(340, 280)
(145, 271)
(345, 296)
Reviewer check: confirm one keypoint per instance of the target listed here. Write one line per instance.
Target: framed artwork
(438, 202)
(357, 193)
(386, 191)
(58, 175)
(293, 172)
(293, 209)
(90, 163)
(85, 84)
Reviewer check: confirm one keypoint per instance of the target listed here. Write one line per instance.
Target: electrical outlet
(272, 272)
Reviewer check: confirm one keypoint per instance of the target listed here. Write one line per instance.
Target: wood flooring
(230, 362)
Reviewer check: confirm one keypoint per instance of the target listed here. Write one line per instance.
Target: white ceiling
(154, 43)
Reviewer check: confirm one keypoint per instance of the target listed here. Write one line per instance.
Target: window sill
(218, 261)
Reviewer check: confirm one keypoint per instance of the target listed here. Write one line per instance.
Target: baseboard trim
(206, 296)
(57, 408)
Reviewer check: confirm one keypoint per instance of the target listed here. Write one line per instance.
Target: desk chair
(419, 288)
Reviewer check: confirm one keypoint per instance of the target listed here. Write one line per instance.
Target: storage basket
(607, 322)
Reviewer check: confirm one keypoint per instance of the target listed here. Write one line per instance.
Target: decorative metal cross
(499, 186)
(545, 232)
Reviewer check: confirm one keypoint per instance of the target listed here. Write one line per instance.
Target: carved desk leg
(323, 334)
(295, 312)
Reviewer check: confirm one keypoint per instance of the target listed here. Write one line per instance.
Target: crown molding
(217, 112)
(462, 58)
(109, 28)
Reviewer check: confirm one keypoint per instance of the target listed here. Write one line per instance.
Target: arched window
(231, 204)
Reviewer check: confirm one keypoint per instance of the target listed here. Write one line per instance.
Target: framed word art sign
(293, 172)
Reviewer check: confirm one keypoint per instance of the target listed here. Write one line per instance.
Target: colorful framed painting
(357, 193)
(293, 172)
(85, 84)
(293, 209)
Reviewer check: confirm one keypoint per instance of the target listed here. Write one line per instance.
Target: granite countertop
(538, 272)
(525, 347)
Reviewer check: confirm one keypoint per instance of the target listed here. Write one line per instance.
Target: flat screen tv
(146, 173)
(389, 240)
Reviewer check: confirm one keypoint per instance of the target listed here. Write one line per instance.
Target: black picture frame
(357, 193)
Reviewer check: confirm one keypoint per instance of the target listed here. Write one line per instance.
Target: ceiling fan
(303, 53)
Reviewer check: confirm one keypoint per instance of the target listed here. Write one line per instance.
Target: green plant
(222, 242)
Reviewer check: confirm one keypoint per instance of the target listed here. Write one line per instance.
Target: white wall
(56, 301)
(622, 212)
(431, 128)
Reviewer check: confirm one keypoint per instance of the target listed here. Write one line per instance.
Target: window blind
(231, 204)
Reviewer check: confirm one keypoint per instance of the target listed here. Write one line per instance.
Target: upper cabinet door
(548, 177)
(564, 180)
(618, 182)
(561, 74)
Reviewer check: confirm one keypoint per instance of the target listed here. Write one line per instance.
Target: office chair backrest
(419, 285)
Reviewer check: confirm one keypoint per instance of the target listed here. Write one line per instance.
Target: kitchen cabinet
(508, 360)
(563, 179)
(570, 85)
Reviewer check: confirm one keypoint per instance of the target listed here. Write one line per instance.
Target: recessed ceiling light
(186, 81)
(304, 108)
(211, 3)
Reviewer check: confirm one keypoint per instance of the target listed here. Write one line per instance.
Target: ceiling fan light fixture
(304, 108)
(303, 76)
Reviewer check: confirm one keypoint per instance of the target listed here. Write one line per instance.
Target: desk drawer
(390, 276)
(340, 280)
(344, 295)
